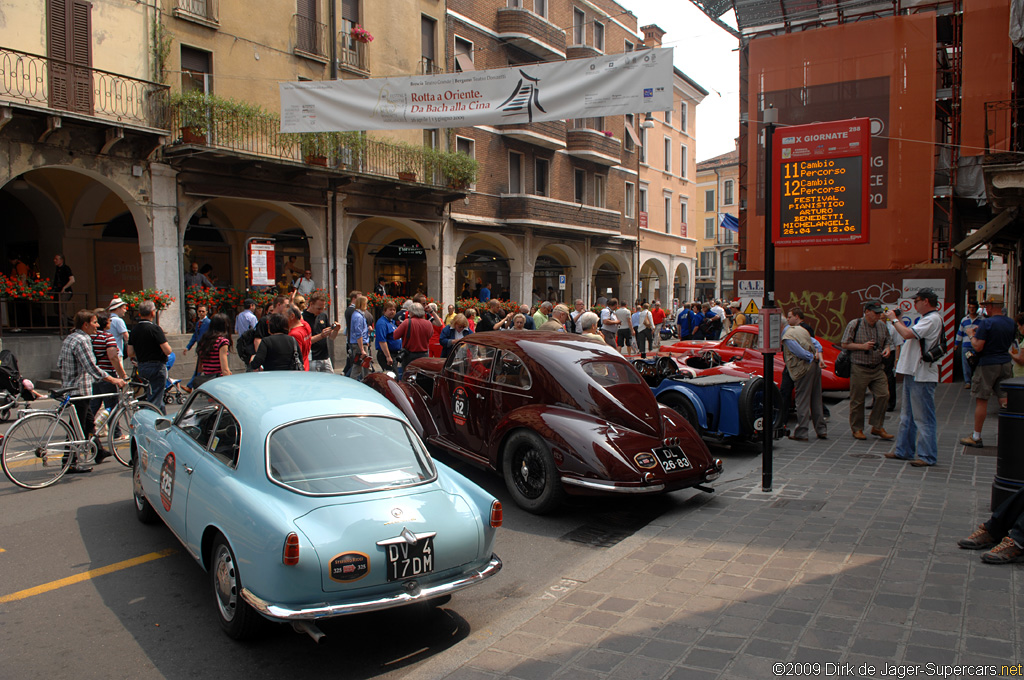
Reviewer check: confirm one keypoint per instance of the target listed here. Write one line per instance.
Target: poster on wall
(820, 183)
(261, 264)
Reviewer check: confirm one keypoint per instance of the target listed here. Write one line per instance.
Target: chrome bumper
(324, 611)
(612, 487)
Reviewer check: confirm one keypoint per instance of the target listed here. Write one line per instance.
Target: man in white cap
(117, 326)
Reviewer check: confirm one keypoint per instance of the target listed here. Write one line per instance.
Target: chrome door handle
(187, 468)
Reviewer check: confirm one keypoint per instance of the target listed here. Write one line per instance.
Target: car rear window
(611, 373)
(347, 454)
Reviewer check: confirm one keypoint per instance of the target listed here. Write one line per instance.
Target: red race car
(736, 350)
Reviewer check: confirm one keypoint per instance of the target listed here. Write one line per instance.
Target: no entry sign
(820, 177)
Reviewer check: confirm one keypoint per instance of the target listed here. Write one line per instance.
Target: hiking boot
(979, 540)
(971, 441)
(859, 434)
(1006, 552)
(880, 432)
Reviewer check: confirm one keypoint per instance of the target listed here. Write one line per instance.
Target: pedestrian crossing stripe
(751, 308)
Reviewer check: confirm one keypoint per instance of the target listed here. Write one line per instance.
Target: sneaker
(979, 540)
(79, 469)
(1006, 552)
(971, 441)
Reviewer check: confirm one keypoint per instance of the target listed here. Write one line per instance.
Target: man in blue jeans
(148, 345)
(918, 440)
(1004, 530)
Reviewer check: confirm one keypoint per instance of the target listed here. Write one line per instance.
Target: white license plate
(672, 458)
(406, 560)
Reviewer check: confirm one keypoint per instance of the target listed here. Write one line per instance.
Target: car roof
(544, 346)
(270, 398)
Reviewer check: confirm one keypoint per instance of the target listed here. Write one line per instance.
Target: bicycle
(117, 429)
(40, 447)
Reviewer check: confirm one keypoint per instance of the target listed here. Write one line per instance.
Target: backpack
(934, 353)
(707, 326)
(246, 345)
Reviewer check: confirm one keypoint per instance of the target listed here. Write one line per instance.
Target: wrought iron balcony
(310, 37)
(531, 33)
(429, 67)
(35, 80)
(201, 11)
(353, 56)
(247, 131)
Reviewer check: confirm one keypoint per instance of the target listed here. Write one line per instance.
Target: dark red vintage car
(553, 414)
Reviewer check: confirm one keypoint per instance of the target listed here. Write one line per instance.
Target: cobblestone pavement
(851, 560)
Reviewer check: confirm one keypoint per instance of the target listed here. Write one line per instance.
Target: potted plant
(318, 147)
(458, 169)
(194, 111)
(199, 113)
(360, 34)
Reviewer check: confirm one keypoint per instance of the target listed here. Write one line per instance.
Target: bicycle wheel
(37, 450)
(119, 431)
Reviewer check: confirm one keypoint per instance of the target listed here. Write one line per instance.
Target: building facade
(717, 196)
(667, 194)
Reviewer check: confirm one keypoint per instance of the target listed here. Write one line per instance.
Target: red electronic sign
(820, 184)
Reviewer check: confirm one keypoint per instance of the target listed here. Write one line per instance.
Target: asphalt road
(149, 612)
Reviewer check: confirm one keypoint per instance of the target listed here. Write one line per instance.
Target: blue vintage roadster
(307, 496)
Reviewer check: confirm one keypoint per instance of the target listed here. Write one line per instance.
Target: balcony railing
(258, 134)
(352, 54)
(206, 10)
(310, 36)
(429, 67)
(1004, 131)
(42, 81)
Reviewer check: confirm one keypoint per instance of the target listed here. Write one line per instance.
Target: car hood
(345, 534)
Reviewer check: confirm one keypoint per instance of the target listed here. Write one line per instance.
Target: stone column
(441, 258)
(158, 246)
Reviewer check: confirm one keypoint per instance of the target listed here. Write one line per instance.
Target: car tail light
(291, 549)
(496, 514)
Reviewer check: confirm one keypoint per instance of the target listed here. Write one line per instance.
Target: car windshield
(347, 454)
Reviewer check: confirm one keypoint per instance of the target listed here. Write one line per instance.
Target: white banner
(635, 82)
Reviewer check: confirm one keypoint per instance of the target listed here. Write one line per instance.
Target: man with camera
(869, 345)
(323, 329)
(917, 440)
(991, 340)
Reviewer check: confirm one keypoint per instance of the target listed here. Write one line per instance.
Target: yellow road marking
(85, 576)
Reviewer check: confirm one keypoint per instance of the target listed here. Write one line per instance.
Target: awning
(727, 221)
(985, 234)
(631, 133)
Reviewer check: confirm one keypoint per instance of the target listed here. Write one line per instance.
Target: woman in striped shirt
(104, 348)
(213, 350)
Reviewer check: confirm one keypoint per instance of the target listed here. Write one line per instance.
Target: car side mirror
(162, 424)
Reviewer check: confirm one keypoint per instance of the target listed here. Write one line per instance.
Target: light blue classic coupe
(307, 496)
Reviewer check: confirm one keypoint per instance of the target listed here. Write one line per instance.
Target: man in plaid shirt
(78, 371)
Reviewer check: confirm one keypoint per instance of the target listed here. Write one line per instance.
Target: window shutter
(81, 55)
(307, 9)
(350, 10)
(427, 38)
(58, 49)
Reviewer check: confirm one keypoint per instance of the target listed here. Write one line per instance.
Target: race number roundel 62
(167, 481)
(460, 406)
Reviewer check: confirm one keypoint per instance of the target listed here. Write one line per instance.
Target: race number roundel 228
(167, 481)
(460, 406)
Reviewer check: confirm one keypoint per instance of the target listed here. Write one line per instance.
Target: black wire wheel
(530, 473)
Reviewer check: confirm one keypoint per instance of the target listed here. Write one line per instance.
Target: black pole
(768, 421)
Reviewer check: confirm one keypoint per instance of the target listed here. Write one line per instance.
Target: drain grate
(611, 528)
(802, 505)
(864, 455)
